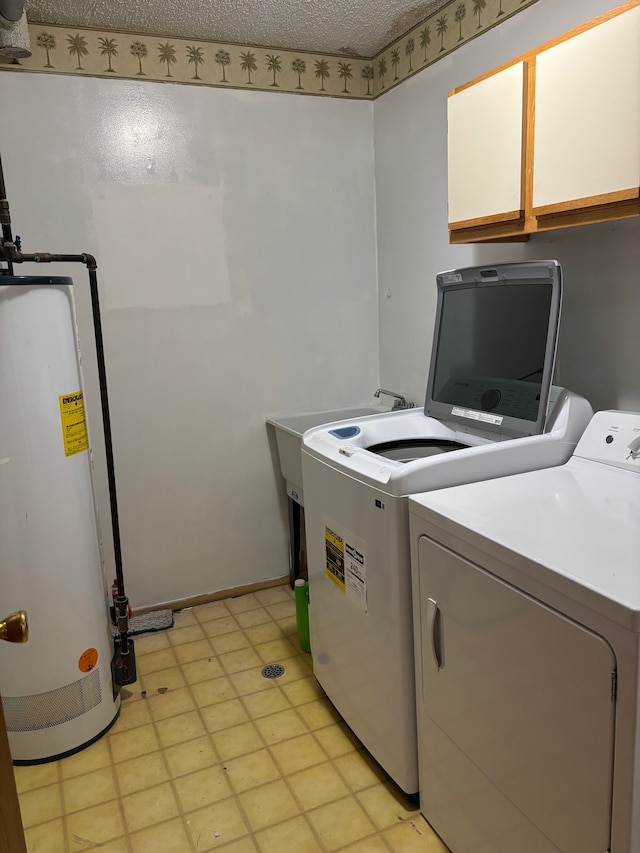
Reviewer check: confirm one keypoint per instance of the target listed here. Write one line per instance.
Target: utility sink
(289, 431)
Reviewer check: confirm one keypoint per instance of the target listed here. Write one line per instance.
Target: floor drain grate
(272, 670)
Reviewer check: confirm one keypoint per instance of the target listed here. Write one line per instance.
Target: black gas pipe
(5, 222)
(124, 665)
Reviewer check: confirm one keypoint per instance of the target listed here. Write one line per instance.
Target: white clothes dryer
(526, 600)
(490, 412)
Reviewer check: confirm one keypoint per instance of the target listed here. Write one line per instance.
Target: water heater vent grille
(44, 710)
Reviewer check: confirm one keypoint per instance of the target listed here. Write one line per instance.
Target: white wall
(598, 352)
(235, 239)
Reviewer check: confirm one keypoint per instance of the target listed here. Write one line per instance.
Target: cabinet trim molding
(613, 198)
(497, 218)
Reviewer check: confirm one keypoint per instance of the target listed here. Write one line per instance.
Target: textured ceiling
(350, 27)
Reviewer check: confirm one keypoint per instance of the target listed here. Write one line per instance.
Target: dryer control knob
(634, 445)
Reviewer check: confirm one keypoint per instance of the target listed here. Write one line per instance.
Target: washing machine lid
(572, 529)
(481, 454)
(494, 346)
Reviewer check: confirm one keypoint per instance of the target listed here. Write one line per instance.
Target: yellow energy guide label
(74, 425)
(345, 565)
(334, 553)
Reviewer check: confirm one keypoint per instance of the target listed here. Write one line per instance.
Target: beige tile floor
(207, 754)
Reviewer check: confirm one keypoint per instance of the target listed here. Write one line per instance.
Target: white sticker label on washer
(483, 417)
(355, 575)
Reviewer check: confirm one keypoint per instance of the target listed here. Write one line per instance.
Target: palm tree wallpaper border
(98, 53)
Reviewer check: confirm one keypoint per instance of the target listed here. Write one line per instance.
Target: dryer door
(516, 718)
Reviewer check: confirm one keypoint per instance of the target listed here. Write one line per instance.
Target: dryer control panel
(612, 438)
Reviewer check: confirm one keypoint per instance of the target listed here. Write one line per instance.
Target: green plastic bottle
(301, 592)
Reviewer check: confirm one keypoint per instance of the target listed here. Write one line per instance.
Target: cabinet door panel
(525, 695)
(485, 149)
(587, 117)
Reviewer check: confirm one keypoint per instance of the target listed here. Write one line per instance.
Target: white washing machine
(490, 411)
(527, 607)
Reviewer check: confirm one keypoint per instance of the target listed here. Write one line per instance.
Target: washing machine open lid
(496, 400)
(494, 346)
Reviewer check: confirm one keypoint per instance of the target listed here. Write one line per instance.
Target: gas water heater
(57, 689)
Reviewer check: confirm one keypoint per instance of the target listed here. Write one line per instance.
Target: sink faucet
(399, 402)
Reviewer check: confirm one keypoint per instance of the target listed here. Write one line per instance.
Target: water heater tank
(57, 689)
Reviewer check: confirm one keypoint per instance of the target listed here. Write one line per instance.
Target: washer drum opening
(409, 449)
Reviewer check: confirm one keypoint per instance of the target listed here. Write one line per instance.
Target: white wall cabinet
(587, 118)
(553, 138)
(486, 149)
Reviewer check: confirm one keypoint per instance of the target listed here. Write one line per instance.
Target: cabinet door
(587, 118)
(486, 149)
(516, 712)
